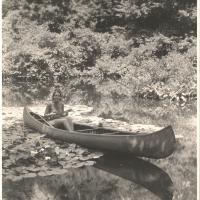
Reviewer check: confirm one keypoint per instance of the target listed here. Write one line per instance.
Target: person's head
(57, 96)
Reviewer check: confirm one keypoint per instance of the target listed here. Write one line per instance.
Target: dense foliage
(148, 46)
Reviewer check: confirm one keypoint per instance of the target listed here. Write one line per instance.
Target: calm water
(111, 177)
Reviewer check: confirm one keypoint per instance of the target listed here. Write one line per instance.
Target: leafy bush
(148, 46)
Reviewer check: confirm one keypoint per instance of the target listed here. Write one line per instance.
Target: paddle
(56, 116)
(42, 118)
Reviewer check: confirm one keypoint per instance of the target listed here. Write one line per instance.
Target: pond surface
(111, 177)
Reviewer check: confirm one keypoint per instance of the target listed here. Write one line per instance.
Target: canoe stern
(159, 145)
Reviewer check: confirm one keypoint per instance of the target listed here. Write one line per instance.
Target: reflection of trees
(83, 91)
(76, 91)
(87, 183)
(92, 183)
(109, 99)
(24, 93)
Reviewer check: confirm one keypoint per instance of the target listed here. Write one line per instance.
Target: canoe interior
(84, 128)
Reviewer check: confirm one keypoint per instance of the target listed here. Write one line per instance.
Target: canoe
(158, 144)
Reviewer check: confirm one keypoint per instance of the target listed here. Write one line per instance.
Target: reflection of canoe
(158, 144)
(139, 171)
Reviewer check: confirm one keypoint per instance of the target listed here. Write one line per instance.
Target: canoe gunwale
(129, 133)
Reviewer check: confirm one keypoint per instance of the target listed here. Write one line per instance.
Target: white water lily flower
(33, 153)
(47, 158)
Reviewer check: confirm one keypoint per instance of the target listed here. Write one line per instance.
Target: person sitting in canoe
(55, 112)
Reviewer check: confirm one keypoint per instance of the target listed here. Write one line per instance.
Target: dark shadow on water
(98, 182)
(139, 171)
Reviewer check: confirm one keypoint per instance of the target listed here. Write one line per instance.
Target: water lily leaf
(96, 155)
(29, 175)
(33, 169)
(41, 162)
(53, 162)
(74, 159)
(37, 143)
(42, 173)
(47, 146)
(79, 165)
(49, 173)
(24, 160)
(72, 155)
(67, 166)
(13, 151)
(24, 171)
(10, 177)
(20, 149)
(90, 163)
(83, 158)
(59, 171)
(86, 153)
(33, 153)
(43, 168)
(18, 169)
(72, 146)
(80, 151)
(64, 145)
(8, 164)
(57, 150)
(62, 163)
(17, 178)
(62, 156)
(5, 156)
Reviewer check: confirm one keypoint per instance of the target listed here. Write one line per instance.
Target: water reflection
(109, 99)
(103, 181)
(140, 172)
(21, 93)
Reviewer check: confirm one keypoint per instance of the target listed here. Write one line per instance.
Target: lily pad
(49, 173)
(90, 163)
(79, 165)
(83, 158)
(29, 175)
(62, 163)
(59, 171)
(33, 169)
(40, 162)
(42, 173)
(62, 156)
(8, 164)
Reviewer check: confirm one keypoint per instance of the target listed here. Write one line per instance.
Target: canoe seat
(91, 131)
(95, 131)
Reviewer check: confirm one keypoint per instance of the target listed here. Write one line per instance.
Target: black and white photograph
(99, 100)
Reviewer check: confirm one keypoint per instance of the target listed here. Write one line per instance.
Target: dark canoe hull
(159, 144)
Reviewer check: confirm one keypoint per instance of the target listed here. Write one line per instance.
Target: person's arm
(47, 110)
(48, 113)
(64, 113)
(62, 108)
